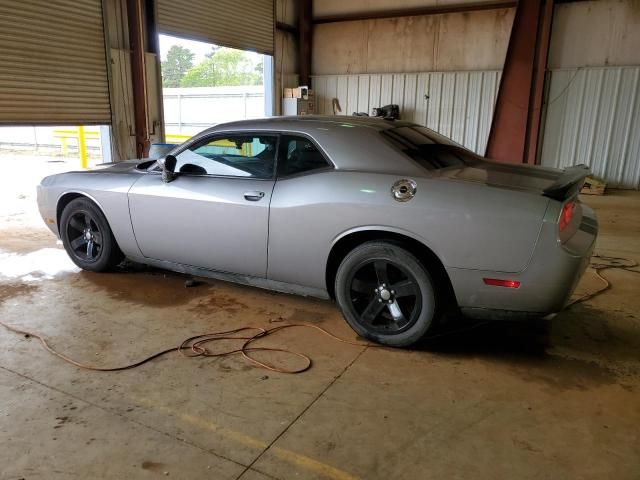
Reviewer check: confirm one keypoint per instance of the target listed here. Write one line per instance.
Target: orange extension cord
(196, 346)
(600, 264)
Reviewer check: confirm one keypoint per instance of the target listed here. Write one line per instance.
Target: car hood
(532, 178)
(118, 167)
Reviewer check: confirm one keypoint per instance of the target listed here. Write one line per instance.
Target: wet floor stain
(559, 373)
(153, 466)
(234, 365)
(25, 240)
(300, 315)
(150, 288)
(218, 301)
(13, 290)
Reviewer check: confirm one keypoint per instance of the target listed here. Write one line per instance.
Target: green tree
(223, 67)
(259, 68)
(179, 61)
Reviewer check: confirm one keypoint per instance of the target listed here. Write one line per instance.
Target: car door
(303, 199)
(215, 213)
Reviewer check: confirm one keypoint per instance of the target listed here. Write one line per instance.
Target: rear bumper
(545, 285)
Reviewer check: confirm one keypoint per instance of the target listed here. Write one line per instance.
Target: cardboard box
(593, 186)
(288, 93)
(297, 106)
(301, 92)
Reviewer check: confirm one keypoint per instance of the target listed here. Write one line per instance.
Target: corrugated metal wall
(457, 104)
(593, 117)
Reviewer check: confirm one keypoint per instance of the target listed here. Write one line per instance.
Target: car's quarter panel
(203, 221)
(105, 189)
(468, 226)
(545, 285)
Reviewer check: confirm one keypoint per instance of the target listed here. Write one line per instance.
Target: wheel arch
(422, 252)
(67, 197)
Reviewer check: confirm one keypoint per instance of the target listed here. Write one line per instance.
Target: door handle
(253, 196)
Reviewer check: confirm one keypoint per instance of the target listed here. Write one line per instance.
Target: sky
(200, 49)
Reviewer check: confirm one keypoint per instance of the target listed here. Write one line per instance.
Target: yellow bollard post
(82, 147)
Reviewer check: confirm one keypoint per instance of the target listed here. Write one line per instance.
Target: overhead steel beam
(413, 12)
(516, 120)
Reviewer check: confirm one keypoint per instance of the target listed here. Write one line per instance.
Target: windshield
(430, 149)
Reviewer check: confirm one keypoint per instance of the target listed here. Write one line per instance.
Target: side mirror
(168, 165)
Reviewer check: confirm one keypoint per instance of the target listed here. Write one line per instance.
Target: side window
(297, 155)
(251, 156)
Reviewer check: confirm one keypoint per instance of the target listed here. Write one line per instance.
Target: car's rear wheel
(386, 294)
(87, 237)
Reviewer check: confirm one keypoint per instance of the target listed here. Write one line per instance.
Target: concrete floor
(553, 400)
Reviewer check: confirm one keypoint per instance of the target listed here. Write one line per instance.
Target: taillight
(567, 214)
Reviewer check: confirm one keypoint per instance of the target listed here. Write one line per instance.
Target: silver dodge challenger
(395, 222)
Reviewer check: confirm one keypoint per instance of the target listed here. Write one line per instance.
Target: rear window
(429, 149)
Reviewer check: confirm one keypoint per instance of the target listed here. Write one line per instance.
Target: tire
(82, 222)
(386, 295)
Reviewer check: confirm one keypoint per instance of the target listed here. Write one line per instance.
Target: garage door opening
(30, 153)
(205, 84)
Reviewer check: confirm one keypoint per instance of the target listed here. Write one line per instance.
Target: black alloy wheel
(87, 237)
(386, 294)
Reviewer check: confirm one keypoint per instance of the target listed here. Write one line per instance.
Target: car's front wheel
(385, 294)
(87, 237)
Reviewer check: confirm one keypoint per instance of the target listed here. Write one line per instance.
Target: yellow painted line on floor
(311, 464)
(238, 437)
(288, 456)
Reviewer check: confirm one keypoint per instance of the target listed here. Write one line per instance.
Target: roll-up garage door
(246, 24)
(52, 63)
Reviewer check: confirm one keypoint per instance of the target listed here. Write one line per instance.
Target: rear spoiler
(569, 183)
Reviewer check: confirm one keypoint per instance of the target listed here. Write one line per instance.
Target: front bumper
(546, 284)
(46, 206)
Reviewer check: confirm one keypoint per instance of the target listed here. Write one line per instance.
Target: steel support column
(516, 120)
(136, 20)
(305, 9)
